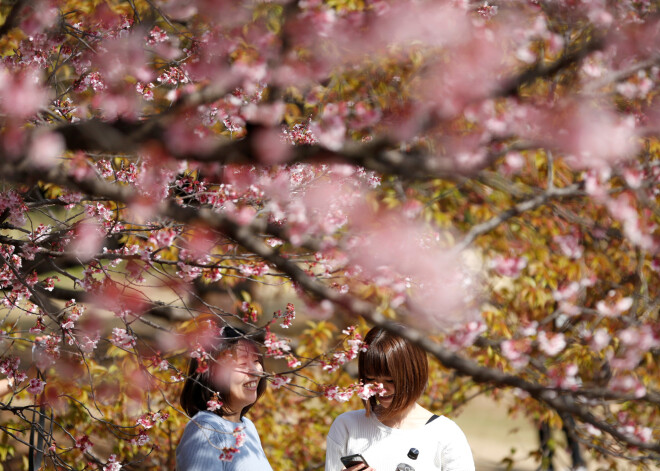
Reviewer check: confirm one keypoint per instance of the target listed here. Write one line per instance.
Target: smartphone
(352, 460)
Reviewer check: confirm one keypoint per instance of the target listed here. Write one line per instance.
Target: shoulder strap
(433, 417)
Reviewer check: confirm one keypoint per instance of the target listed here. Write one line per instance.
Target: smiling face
(400, 365)
(239, 373)
(390, 390)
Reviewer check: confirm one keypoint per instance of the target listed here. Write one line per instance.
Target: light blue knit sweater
(203, 441)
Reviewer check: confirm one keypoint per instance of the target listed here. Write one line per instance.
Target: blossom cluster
(122, 338)
(288, 316)
(355, 345)
(228, 452)
(364, 391)
(276, 347)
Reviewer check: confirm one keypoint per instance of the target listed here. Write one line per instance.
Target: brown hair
(406, 363)
(199, 387)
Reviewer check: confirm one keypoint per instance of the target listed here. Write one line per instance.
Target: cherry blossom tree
(482, 178)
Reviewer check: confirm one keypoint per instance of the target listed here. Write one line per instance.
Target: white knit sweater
(441, 444)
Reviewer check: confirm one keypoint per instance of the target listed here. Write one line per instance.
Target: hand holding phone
(351, 461)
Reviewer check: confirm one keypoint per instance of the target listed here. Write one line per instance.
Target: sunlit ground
(492, 436)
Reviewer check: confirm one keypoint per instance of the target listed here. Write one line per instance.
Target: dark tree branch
(512, 86)
(12, 17)
(524, 206)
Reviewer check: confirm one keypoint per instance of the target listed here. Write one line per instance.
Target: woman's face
(388, 384)
(240, 373)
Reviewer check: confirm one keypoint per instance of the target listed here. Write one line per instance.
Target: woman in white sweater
(393, 429)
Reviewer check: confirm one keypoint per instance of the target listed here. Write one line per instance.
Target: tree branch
(528, 205)
(12, 17)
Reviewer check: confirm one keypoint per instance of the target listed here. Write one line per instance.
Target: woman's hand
(360, 467)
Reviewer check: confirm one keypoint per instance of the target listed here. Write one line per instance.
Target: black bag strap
(433, 417)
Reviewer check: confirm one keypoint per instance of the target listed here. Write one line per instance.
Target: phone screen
(352, 460)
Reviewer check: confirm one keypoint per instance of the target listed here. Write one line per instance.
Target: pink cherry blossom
(279, 381)
(288, 316)
(570, 246)
(227, 453)
(13, 202)
(45, 148)
(36, 386)
(439, 277)
(87, 241)
(84, 443)
(113, 464)
(517, 352)
(239, 436)
(122, 338)
(214, 404)
(599, 339)
(371, 389)
(564, 376)
(463, 336)
(276, 347)
(610, 309)
(509, 266)
(335, 393)
(141, 439)
(551, 343)
(21, 94)
(628, 384)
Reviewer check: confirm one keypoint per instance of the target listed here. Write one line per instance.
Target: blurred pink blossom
(270, 147)
(87, 240)
(444, 287)
(122, 57)
(564, 376)
(508, 266)
(330, 130)
(611, 309)
(637, 228)
(513, 163)
(591, 135)
(551, 343)
(21, 93)
(465, 335)
(214, 404)
(596, 183)
(570, 246)
(633, 176)
(567, 291)
(45, 148)
(113, 464)
(517, 352)
(628, 384)
(599, 339)
(38, 16)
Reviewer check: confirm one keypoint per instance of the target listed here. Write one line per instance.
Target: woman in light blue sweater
(221, 387)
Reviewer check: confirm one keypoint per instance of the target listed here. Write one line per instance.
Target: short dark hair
(199, 388)
(389, 354)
